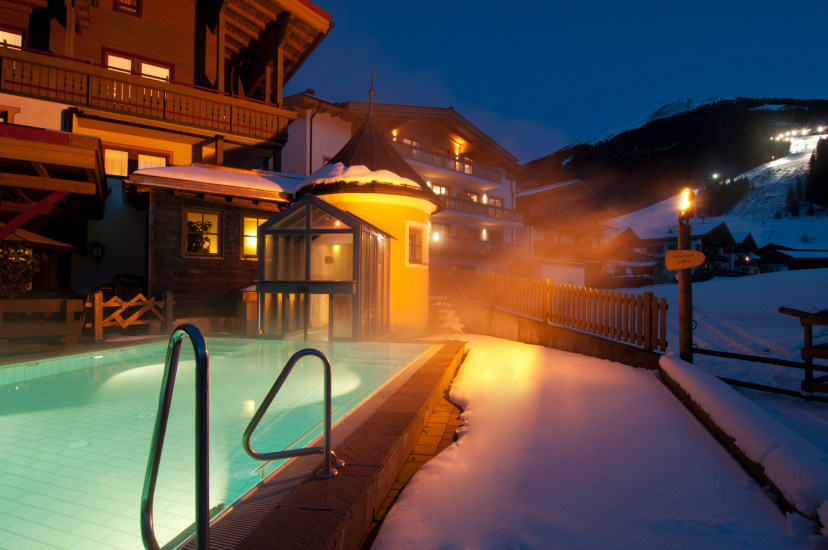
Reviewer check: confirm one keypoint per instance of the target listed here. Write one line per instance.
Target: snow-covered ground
(564, 451)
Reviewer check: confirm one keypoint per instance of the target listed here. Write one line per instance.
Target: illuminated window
(151, 161)
(201, 230)
(416, 254)
(121, 162)
(471, 196)
(132, 7)
(118, 63)
(441, 190)
(495, 202)
(250, 236)
(157, 72)
(126, 63)
(416, 153)
(415, 246)
(10, 38)
(116, 163)
(440, 232)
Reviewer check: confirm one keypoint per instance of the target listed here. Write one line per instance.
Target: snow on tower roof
(368, 163)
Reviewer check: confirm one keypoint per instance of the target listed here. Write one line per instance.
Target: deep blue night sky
(538, 75)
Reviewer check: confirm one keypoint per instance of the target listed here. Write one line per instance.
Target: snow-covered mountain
(682, 105)
(756, 213)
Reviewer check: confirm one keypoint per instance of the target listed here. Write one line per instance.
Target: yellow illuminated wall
(395, 214)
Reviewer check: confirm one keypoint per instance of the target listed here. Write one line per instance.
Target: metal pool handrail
(202, 449)
(330, 460)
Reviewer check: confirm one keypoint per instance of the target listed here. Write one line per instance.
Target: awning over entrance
(34, 240)
(45, 172)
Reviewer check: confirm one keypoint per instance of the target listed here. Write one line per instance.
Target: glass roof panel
(293, 220)
(322, 220)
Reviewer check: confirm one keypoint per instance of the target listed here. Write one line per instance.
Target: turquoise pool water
(75, 433)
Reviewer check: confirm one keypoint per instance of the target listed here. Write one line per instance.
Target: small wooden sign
(683, 259)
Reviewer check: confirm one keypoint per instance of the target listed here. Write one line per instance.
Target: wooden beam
(40, 169)
(32, 151)
(282, 25)
(220, 47)
(249, 14)
(49, 184)
(70, 28)
(29, 214)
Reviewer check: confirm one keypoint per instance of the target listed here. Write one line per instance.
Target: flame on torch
(685, 200)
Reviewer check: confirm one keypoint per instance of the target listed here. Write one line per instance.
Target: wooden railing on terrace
(480, 209)
(637, 319)
(467, 248)
(449, 163)
(75, 83)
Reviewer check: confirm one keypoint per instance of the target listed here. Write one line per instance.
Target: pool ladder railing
(202, 448)
(330, 462)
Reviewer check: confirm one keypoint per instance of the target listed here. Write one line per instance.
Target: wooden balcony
(465, 206)
(459, 247)
(81, 84)
(461, 166)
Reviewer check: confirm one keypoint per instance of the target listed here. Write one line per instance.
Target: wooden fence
(637, 319)
(41, 317)
(135, 311)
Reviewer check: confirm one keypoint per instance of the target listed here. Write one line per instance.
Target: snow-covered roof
(550, 187)
(359, 175)
(805, 254)
(219, 179)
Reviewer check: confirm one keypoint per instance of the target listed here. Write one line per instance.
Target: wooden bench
(810, 351)
(68, 327)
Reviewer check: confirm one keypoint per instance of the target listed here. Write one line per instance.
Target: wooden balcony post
(97, 304)
(168, 311)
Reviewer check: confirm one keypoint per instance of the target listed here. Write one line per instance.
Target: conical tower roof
(368, 163)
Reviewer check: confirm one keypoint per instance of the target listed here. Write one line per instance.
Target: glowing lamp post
(685, 289)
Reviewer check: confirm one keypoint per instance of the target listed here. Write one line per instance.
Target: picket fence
(636, 319)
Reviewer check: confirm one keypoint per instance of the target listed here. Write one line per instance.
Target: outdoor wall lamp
(96, 250)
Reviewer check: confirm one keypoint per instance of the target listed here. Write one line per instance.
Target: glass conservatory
(323, 274)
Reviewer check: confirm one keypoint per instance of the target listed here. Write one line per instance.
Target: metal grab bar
(330, 460)
(202, 449)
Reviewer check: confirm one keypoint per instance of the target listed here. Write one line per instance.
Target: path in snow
(567, 451)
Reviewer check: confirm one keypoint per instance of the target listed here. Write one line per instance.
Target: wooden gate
(139, 310)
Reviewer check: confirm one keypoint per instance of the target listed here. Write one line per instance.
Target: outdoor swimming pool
(75, 432)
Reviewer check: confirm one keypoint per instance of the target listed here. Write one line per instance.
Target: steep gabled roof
(368, 163)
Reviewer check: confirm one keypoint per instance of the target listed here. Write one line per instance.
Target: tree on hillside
(791, 204)
(816, 185)
(718, 197)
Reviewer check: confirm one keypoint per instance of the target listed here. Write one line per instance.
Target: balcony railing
(75, 83)
(467, 248)
(449, 163)
(479, 209)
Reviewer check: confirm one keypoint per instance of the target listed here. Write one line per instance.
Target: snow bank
(797, 467)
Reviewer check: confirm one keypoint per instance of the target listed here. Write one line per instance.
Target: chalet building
(92, 91)
(774, 257)
(724, 256)
(563, 229)
(474, 177)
